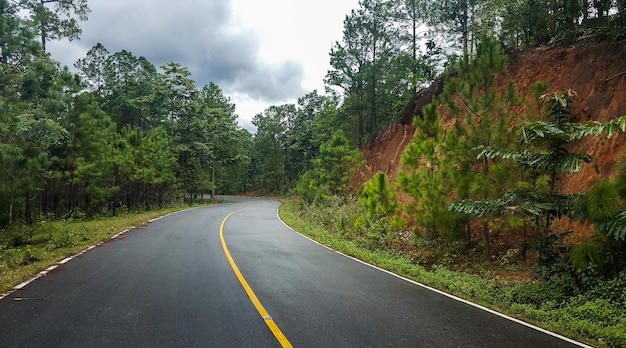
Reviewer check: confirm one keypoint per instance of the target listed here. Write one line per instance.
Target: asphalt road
(170, 284)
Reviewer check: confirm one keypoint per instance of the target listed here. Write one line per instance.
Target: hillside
(595, 71)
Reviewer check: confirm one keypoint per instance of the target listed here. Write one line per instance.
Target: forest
(115, 133)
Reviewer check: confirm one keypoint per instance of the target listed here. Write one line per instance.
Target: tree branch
(616, 75)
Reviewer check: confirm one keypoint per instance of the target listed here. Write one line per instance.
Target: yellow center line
(284, 342)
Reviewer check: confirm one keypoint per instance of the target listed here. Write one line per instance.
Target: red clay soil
(595, 71)
(383, 152)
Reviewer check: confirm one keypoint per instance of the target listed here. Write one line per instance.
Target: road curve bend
(172, 283)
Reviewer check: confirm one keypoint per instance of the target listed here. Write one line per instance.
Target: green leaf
(616, 227)
(593, 128)
(478, 208)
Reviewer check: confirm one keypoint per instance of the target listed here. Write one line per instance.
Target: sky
(261, 53)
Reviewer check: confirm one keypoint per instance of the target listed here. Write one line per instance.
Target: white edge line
(23, 284)
(567, 339)
(67, 259)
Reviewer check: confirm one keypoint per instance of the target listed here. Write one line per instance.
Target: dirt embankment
(383, 152)
(596, 72)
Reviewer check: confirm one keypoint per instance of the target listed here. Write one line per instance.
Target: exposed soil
(595, 71)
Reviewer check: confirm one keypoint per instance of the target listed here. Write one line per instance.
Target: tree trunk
(3, 49)
(373, 92)
(213, 183)
(414, 68)
(27, 209)
(360, 121)
(42, 26)
(487, 239)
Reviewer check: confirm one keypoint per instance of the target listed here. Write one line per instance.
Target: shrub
(16, 235)
(29, 256)
(68, 237)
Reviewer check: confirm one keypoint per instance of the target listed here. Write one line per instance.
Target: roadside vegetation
(489, 174)
(25, 250)
(574, 303)
(477, 211)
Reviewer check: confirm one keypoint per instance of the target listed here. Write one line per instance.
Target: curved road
(170, 284)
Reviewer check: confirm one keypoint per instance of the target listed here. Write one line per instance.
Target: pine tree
(544, 158)
(337, 161)
(268, 151)
(58, 21)
(444, 162)
(430, 180)
(87, 155)
(379, 201)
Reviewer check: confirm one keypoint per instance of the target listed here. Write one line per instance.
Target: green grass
(48, 242)
(594, 321)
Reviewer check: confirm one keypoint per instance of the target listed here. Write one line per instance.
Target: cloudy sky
(260, 53)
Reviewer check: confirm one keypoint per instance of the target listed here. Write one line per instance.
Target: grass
(48, 242)
(595, 321)
(588, 319)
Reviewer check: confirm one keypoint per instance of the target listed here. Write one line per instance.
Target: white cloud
(259, 52)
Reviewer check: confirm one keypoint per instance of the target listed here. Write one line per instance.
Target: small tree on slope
(544, 159)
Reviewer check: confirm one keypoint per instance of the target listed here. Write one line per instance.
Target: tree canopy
(123, 134)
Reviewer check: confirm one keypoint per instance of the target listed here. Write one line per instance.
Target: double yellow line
(255, 301)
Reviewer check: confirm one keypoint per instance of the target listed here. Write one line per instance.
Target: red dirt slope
(596, 71)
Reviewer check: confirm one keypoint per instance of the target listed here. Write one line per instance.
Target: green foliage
(300, 144)
(616, 227)
(268, 152)
(331, 212)
(607, 201)
(538, 161)
(586, 255)
(337, 161)
(16, 235)
(153, 162)
(28, 256)
(126, 86)
(132, 142)
(385, 54)
(429, 182)
(602, 202)
(307, 188)
(442, 162)
(378, 64)
(378, 233)
(378, 200)
(604, 205)
(543, 156)
(55, 23)
(67, 236)
(571, 303)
